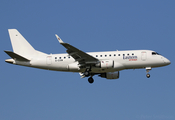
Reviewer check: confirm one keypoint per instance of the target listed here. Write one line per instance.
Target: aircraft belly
(99, 70)
(142, 64)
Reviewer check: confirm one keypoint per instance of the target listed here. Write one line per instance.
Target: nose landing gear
(148, 75)
(147, 71)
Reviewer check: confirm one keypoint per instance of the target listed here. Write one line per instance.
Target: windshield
(155, 53)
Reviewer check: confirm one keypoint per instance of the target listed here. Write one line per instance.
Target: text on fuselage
(130, 58)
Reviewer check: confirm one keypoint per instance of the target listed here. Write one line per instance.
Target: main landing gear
(87, 74)
(90, 80)
(147, 71)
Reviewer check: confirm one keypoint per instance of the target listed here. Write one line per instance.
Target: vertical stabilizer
(20, 44)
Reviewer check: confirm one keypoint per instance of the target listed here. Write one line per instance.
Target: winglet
(59, 39)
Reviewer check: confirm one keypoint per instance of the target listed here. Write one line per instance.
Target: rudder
(20, 45)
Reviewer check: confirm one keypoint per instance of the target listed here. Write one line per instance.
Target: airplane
(104, 64)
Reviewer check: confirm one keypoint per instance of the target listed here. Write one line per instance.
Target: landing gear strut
(86, 73)
(90, 80)
(147, 71)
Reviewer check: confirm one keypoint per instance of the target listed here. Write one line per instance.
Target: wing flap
(77, 54)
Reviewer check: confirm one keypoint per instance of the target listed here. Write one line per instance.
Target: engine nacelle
(105, 64)
(110, 75)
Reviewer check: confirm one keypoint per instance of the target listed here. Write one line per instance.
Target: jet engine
(110, 75)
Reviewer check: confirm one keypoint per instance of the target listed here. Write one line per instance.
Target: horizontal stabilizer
(20, 45)
(16, 56)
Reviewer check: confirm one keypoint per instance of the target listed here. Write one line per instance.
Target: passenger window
(123, 54)
(64, 57)
(105, 55)
(127, 54)
(109, 55)
(55, 57)
(60, 57)
(96, 55)
(114, 54)
(118, 54)
(100, 55)
(132, 53)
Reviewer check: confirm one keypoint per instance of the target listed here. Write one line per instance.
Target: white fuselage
(133, 59)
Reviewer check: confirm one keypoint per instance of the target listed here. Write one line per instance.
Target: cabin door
(49, 60)
(143, 55)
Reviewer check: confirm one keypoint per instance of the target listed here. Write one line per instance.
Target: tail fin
(20, 44)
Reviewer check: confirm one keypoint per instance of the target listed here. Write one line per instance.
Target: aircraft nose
(167, 61)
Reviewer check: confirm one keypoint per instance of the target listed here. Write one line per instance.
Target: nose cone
(167, 61)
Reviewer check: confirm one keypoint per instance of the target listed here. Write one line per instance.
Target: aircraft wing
(78, 55)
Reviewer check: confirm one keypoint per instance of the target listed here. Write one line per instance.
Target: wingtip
(59, 39)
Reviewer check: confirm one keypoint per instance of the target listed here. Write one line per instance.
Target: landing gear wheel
(90, 80)
(86, 73)
(148, 75)
(147, 71)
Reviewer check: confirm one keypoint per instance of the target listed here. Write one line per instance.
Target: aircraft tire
(90, 80)
(148, 75)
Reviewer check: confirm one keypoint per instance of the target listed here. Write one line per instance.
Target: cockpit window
(155, 53)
